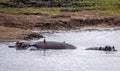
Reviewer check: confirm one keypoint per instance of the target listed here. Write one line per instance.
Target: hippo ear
(44, 41)
(29, 45)
(17, 42)
(22, 42)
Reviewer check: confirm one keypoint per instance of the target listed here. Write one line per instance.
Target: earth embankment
(12, 26)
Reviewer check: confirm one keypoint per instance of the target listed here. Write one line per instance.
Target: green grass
(4, 0)
(43, 10)
(108, 5)
(30, 10)
(53, 10)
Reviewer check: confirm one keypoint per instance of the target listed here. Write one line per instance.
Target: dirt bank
(12, 34)
(20, 23)
(39, 21)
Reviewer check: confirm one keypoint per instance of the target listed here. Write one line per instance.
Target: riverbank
(16, 26)
(12, 34)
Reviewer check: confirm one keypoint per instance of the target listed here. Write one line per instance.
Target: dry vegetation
(12, 34)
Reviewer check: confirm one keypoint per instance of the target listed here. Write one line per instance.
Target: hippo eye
(29, 45)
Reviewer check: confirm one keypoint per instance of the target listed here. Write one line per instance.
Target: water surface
(66, 60)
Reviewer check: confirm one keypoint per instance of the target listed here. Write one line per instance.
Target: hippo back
(53, 45)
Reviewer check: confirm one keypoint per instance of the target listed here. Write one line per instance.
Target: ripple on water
(66, 60)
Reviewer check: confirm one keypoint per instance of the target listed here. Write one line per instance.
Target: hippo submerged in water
(106, 48)
(43, 45)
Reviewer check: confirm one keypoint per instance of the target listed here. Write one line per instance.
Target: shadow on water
(110, 52)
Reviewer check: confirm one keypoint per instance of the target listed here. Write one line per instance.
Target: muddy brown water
(66, 60)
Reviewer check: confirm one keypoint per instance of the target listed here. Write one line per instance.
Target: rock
(33, 35)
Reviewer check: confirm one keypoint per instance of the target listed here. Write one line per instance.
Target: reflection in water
(110, 52)
(66, 60)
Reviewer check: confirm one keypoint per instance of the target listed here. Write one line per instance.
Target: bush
(19, 1)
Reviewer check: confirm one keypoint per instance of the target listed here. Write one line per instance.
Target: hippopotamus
(44, 45)
(106, 48)
(21, 45)
(53, 45)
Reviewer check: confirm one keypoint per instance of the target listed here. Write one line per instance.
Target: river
(66, 60)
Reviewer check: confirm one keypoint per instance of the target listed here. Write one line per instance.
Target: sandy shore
(16, 26)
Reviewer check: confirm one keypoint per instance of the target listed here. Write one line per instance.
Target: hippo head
(22, 45)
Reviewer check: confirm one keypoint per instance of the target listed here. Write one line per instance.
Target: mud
(55, 22)
(62, 21)
(33, 36)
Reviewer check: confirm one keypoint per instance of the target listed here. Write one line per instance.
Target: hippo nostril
(29, 45)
